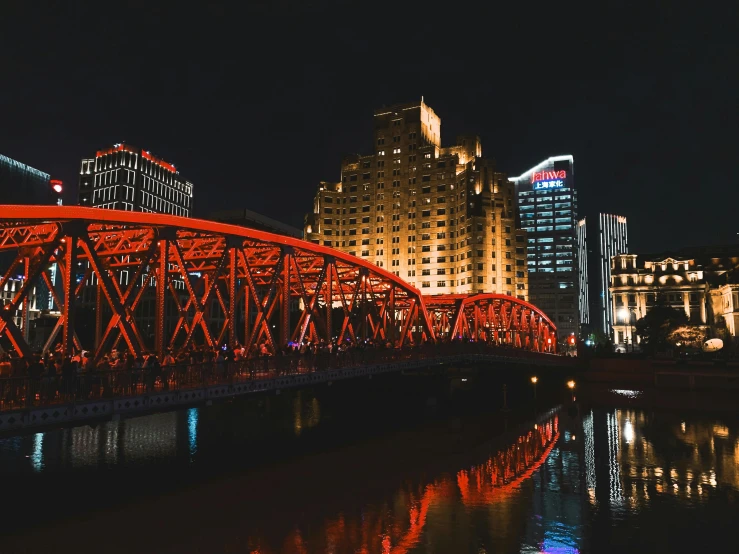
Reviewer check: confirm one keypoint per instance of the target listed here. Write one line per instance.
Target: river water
(386, 467)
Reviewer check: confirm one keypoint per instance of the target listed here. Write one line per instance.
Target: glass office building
(582, 275)
(547, 203)
(595, 267)
(22, 184)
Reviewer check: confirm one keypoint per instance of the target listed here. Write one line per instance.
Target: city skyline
(250, 294)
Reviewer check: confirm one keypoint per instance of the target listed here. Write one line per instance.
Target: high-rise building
(595, 267)
(613, 239)
(547, 202)
(124, 177)
(442, 218)
(22, 184)
(583, 278)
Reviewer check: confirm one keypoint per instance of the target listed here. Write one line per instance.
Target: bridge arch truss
(492, 318)
(151, 282)
(197, 281)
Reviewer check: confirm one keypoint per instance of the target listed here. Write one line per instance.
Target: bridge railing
(29, 392)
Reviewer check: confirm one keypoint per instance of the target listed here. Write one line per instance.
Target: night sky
(256, 105)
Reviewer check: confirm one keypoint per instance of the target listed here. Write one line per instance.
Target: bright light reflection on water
(627, 393)
(538, 491)
(37, 458)
(192, 431)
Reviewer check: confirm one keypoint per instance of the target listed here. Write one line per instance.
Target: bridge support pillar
(285, 299)
(232, 297)
(161, 291)
(68, 282)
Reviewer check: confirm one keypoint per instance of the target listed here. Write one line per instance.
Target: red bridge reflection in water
(504, 472)
(397, 527)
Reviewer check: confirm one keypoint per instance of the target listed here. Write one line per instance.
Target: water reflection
(136, 440)
(305, 414)
(192, 431)
(672, 456)
(629, 460)
(600, 481)
(37, 458)
(504, 472)
(482, 503)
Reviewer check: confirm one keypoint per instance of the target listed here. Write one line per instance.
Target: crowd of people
(55, 374)
(52, 375)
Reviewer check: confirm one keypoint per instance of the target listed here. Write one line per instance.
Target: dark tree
(655, 327)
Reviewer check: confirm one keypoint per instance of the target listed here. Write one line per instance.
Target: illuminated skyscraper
(547, 202)
(613, 241)
(23, 184)
(128, 178)
(595, 267)
(124, 177)
(442, 218)
(582, 273)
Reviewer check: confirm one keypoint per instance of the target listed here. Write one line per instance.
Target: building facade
(442, 218)
(678, 283)
(583, 274)
(22, 184)
(547, 202)
(596, 305)
(127, 178)
(725, 303)
(124, 177)
(613, 241)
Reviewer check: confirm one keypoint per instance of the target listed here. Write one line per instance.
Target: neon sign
(548, 175)
(548, 179)
(558, 183)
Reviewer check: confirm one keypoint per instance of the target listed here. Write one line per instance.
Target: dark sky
(256, 104)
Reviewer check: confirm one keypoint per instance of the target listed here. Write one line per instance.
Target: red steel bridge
(202, 283)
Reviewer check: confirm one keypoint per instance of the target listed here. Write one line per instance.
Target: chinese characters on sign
(549, 184)
(548, 179)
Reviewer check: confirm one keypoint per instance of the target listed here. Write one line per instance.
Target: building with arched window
(703, 285)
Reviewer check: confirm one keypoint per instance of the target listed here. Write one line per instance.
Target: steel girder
(190, 268)
(492, 318)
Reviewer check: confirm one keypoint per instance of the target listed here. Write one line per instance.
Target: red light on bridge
(57, 185)
(316, 272)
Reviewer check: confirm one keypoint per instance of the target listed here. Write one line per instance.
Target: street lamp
(534, 380)
(571, 386)
(625, 315)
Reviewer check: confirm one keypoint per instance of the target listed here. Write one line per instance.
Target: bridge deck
(27, 403)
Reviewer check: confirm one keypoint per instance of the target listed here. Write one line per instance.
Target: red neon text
(547, 175)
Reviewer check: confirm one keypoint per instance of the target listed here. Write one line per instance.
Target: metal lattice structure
(199, 267)
(492, 318)
(212, 283)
